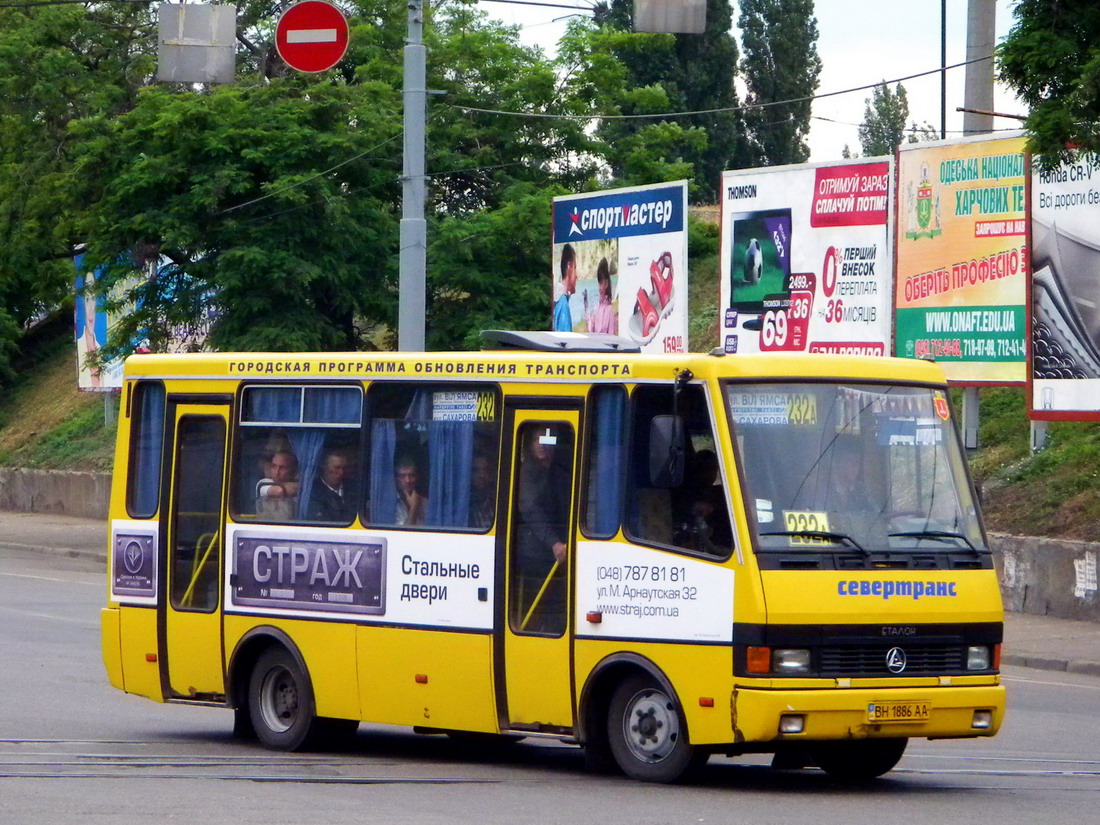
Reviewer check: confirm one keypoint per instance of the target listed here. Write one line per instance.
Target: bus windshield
(860, 467)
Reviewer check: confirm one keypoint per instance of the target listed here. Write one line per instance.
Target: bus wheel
(280, 701)
(858, 760)
(646, 732)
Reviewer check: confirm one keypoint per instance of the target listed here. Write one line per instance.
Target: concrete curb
(1082, 667)
(69, 552)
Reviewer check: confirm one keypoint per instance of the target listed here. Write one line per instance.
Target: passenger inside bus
(277, 493)
(688, 512)
(848, 487)
(482, 493)
(702, 516)
(412, 503)
(331, 498)
(544, 486)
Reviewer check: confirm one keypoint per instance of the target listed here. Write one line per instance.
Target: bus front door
(535, 674)
(191, 628)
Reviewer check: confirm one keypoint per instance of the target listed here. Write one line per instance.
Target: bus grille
(870, 660)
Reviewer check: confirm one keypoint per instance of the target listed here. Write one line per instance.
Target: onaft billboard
(962, 258)
(620, 265)
(805, 260)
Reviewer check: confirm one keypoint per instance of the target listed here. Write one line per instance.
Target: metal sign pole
(412, 261)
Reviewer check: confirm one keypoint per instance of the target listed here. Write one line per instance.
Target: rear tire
(858, 760)
(646, 733)
(280, 702)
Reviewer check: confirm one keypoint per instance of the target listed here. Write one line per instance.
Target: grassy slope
(1055, 492)
(45, 422)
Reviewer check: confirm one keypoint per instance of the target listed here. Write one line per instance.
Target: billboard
(961, 251)
(1065, 291)
(805, 260)
(620, 265)
(93, 323)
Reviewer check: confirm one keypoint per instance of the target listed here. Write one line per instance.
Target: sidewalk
(1042, 642)
(75, 537)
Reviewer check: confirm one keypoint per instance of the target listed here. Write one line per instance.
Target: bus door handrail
(539, 595)
(197, 568)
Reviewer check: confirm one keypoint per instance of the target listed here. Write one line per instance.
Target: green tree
(278, 201)
(491, 269)
(269, 199)
(627, 149)
(779, 63)
(493, 176)
(1051, 58)
(275, 200)
(475, 157)
(884, 118)
(57, 64)
(696, 73)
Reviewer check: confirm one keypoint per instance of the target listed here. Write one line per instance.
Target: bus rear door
(533, 642)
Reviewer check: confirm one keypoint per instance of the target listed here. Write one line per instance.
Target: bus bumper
(952, 712)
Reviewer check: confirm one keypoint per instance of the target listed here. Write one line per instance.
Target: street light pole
(413, 239)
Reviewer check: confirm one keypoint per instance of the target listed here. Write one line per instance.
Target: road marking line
(49, 579)
(1047, 682)
(68, 619)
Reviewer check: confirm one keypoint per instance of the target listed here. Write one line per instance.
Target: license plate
(879, 712)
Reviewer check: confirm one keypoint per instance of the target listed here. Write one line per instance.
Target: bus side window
(607, 458)
(434, 454)
(291, 438)
(146, 448)
(692, 514)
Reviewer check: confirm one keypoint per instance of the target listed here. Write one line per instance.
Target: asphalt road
(73, 749)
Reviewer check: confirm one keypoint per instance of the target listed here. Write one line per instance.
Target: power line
(909, 129)
(311, 177)
(536, 3)
(356, 157)
(363, 189)
(745, 107)
(32, 5)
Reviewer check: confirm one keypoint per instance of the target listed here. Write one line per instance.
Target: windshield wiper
(838, 538)
(938, 535)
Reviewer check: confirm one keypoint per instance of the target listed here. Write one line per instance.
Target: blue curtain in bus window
(306, 443)
(331, 405)
(275, 404)
(420, 410)
(450, 457)
(147, 450)
(383, 492)
(609, 459)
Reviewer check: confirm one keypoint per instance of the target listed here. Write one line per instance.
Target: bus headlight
(787, 661)
(977, 657)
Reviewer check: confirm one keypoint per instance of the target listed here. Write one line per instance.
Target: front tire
(647, 734)
(858, 760)
(280, 702)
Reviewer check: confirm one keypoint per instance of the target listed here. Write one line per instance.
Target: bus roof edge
(539, 341)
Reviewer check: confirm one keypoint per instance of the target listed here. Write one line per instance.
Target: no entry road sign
(312, 36)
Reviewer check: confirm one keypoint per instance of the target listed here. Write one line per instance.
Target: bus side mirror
(666, 451)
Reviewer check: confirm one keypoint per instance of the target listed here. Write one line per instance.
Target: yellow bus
(654, 557)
